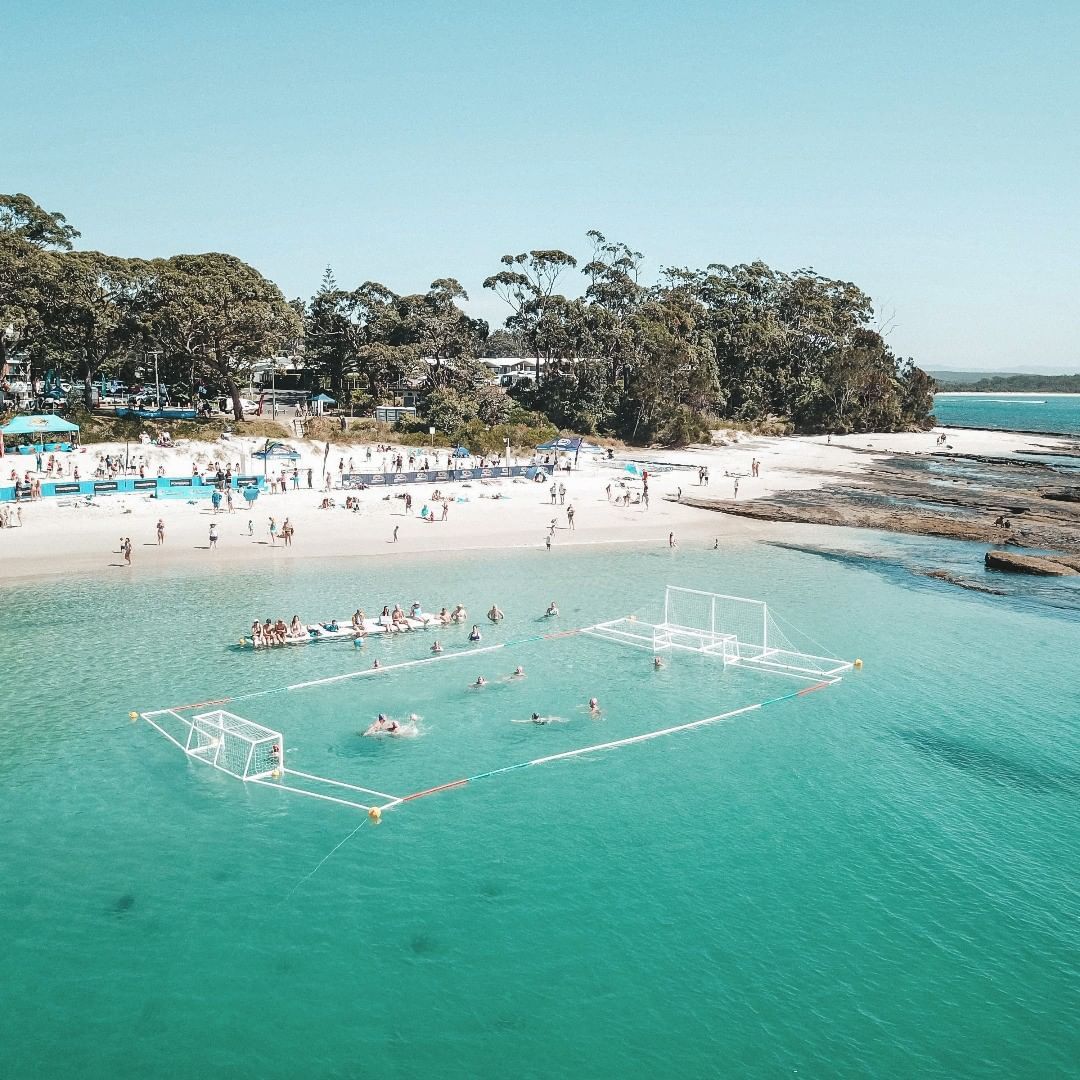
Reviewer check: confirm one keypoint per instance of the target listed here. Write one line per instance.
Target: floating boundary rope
(612, 745)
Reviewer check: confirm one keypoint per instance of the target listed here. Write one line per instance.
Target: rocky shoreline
(951, 496)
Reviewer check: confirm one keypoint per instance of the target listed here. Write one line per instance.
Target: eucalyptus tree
(29, 236)
(224, 315)
(446, 336)
(527, 286)
(99, 310)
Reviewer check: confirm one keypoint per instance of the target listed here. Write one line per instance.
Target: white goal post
(736, 630)
(235, 745)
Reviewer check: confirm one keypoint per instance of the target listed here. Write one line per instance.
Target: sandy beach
(71, 537)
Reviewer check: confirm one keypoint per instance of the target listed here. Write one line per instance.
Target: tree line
(661, 361)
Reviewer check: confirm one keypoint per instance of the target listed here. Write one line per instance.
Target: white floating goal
(235, 745)
(734, 629)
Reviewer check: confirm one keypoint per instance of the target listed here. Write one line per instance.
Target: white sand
(66, 536)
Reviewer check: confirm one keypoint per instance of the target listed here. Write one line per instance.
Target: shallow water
(878, 880)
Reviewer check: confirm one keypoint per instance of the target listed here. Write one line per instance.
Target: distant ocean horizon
(1052, 413)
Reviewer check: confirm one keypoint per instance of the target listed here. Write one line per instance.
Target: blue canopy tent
(320, 401)
(35, 428)
(277, 450)
(461, 451)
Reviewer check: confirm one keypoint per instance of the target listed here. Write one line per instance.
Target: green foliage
(642, 362)
(1016, 384)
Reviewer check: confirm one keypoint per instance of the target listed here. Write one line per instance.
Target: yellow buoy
(133, 716)
(858, 663)
(375, 814)
(276, 774)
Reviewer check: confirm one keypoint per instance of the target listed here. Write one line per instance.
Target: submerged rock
(1041, 565)
(963, 583)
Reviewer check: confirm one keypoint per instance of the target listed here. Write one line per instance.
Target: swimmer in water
(536, 718)
(436, 648)
(480, 681)
(474, 633)
(657, 663)
(376, 665)
(552, 609)
(594, 706)
(518, 672)
(495, 614)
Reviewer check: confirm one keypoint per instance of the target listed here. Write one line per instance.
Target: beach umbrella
(632, 469)
(251, 493)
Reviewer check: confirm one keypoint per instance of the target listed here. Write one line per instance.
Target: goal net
(732, 627)
(235, 745)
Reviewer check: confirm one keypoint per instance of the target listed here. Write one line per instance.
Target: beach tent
(320, 401)
(277, 450)
(461, 451)
(35, 427)
(570, 445)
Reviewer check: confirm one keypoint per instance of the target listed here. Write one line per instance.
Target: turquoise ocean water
(878, 880)
(1010, 412)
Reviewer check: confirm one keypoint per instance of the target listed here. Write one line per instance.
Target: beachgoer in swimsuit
(296, 627)
(657, 663)
(444, 616)
(436, 648)
(552, 610)
(594, 706)
(474, 633)
(459, 614)
(480, 681)
(495, 614)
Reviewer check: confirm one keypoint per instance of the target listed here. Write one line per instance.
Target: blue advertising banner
(440, 476)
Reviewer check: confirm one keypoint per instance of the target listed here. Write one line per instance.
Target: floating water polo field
(716, 649)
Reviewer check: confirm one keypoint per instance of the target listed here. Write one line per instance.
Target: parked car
(248, 407)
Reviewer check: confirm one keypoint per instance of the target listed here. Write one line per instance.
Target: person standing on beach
(126, 548)
(396, 527)
(310, 475)
(736, 495)
(554, 492)
(645, 498)
(161, 531)
(251, 527)
(562, 494)
(570, 516)
(671, 540)
(273, 532)
(296, 479)
(287, 532)
(213, 536)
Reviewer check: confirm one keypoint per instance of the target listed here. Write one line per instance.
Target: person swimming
(594, 706)
(552, 610)
(376, 665)
(495, 615)
(518, 672)
(657, 663)
(480, 681)
(459, 614)
(436, 647)
(444, 616)
(474, 633)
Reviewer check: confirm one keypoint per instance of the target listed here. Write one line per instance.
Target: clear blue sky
(929, 152)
